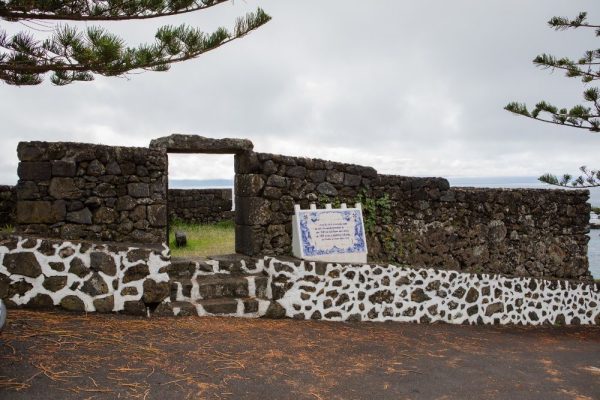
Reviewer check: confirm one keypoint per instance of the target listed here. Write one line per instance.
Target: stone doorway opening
(202, 161)
(200, 204)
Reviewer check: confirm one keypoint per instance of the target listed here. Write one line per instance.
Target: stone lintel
(178, 143)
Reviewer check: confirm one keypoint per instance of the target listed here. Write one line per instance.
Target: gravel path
(55, 355)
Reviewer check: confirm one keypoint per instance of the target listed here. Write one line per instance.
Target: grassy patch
(203, 240)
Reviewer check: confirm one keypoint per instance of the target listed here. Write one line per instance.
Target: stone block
(157, 215)
(80, 217)
(105, 215)
(42, 301)
(104, 262)
(24, 263)
(64, 188)
(248, 184)
(34, 171)
(252, 211)
(125, 203)
(178, 143)
(277, 181)
(138, 190)
(180, 239)
(248, 240)
(32, 151)
(135, 273)
(95, 285)
(335, 177)
(155, 292)
(78, 268)
(134, 308)
(27, 190)
(55, 283)
(72, 303)
(104, 304)
(296, 172)
(327, 189)
(64, 168)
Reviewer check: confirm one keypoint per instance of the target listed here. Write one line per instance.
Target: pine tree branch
(588, 179)
(102, 11)
(72, 55)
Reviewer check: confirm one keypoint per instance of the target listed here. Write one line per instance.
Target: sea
(491, 182)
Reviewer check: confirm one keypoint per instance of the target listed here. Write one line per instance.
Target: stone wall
(419, 221)
(329, 291)
(267, 186)
(8, 203)
(200, 205)
(523, 232)
(82, 276)
(92, 192)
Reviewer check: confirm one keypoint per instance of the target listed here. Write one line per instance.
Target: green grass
(203, 239)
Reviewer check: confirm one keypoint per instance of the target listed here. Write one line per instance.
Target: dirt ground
(55, 355)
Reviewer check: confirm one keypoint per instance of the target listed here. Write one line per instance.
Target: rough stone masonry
(92, 192)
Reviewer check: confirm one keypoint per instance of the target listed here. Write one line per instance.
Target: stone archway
(196, 144)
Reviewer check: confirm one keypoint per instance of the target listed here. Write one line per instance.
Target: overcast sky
(410, 88)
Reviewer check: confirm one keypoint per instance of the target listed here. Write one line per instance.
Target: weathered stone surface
(419, 296)
(275, 311)
(40, 212)
(155, 292)
(80, 217)
(252, 211)
(93, 177)
(95, 168)
(72, 303)
(77, 267)
(100, 261)
(64, 168)
(472, 295)
(493, 309)
(41, 301)
(200, 205)
(34, 171)
(64, 188)
(4, 282)
(104, 304)
(248, 184)
(25, 264)
(178, 143)
(136, 273)
(105, 215)
(134, 308)
(55, 283)
(327, 189)
(95, 285)
(138, 190)
(157, 215)
(180, 239)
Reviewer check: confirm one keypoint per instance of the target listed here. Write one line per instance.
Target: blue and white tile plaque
(333, 235)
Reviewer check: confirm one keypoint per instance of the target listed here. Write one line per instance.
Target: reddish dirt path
(53, 355)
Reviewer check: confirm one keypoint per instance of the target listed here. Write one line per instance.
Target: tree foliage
(71, 54)
(580, 116)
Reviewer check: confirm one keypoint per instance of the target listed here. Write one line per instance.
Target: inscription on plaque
(329, 234)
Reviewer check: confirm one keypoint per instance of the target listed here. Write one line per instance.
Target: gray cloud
(409, 88)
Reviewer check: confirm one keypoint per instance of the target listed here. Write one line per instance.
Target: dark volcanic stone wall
(92, 192)
(267, 186)
(8, 201)
(200, 205)
(523, 232)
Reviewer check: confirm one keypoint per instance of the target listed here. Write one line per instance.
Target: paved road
(52, 355)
